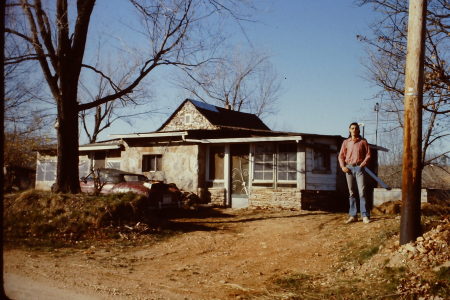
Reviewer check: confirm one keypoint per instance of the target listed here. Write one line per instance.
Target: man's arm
(367, 157)
(341, 157)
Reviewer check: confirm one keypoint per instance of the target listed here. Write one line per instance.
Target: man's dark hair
(354, 123)
(357, 126)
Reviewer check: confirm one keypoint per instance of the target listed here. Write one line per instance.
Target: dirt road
(235, 254)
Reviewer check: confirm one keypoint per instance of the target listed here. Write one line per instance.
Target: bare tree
(241, 81)
(24, 121)
(58, 44)
(386, 67)
(126, 108)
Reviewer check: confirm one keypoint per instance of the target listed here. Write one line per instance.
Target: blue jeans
(356, 184)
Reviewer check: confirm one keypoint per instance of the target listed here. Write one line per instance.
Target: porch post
(301, 167)
(227, 175)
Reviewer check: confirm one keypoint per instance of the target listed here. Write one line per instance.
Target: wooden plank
(321, 187)
(321, 180)
(301, 167)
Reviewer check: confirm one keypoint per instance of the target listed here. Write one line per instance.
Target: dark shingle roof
(223, 117)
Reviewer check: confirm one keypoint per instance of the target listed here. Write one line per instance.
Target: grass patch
(362, 250)
(368, 253)
(392, 277)
(44, 219)
(443, 274)
(441, 286)
(301, 286)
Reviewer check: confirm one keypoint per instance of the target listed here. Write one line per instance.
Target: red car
(116, 181)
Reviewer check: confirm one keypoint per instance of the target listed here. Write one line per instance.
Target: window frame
(158, 162)
(276, 165)
(43, 170)
(326, 151)
(254, 162)
(295, 162)
(188, 119)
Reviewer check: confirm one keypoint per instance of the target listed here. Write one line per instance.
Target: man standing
(353, 157)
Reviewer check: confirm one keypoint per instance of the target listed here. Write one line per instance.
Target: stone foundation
(216, 196)
(279, 197)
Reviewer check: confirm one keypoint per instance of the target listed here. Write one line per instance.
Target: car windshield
(115, 177)
(129, 177)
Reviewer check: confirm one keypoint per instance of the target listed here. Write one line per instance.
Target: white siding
(318, 181)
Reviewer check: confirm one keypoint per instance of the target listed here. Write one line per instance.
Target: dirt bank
(233, 254)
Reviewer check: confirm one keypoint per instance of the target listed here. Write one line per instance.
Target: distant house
(227, 158)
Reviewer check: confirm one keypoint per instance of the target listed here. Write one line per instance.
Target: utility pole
(410, 227)
(376, 109)
(2, 137)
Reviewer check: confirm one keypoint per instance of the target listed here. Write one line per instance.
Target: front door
(239, 175)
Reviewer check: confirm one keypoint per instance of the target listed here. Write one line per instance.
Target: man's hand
(362, 165)
(345, 169)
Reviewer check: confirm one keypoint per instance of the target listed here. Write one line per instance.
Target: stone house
(227, 158)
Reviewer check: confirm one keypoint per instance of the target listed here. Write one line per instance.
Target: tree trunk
(67, 179)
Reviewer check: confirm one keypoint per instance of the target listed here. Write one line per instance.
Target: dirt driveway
(233, 254)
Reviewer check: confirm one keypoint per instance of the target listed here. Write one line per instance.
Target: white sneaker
(351, 219)
(366, 220)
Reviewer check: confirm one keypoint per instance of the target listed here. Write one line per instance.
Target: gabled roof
(222, 117)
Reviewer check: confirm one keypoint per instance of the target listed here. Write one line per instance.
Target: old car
(109, 181)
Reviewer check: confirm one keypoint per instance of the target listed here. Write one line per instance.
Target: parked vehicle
(110, 181)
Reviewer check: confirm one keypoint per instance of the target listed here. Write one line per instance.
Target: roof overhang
(247, 140)
(99, 147)
(149, 135)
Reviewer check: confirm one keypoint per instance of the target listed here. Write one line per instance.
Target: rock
(421, 249)
(410, 248)
(444, 265)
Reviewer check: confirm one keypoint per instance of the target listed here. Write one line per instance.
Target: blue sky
(314, 49)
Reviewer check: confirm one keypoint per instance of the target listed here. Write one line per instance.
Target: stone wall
(216, 196)
(279, 197)
(181, 121)
(180, 164)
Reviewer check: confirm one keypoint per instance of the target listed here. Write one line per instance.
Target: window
(84, 168)
(151, 162)
(113, 164)
(46, 170)
(216, 154)
(321, 160)
(263, 167)
(287, 162)
(187, 119)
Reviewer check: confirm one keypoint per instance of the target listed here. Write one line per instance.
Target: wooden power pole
(410, 227)
(2, 135)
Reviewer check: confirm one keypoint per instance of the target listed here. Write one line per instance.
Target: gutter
(100, 147)
(246, 139)
(150, 135)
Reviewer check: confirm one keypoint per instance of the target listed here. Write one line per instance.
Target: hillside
(237, 254)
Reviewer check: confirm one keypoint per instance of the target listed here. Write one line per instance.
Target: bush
(37, 214)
